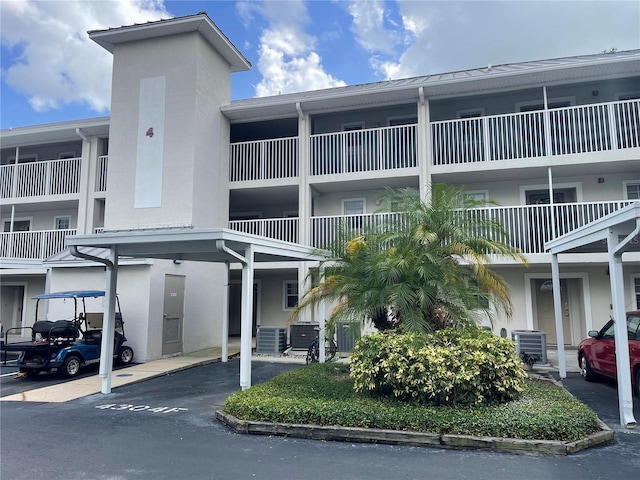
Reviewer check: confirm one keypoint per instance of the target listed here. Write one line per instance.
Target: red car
(597, 354)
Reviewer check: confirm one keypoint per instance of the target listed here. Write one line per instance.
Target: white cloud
(369, 27)
(56, 63)
(287, 60)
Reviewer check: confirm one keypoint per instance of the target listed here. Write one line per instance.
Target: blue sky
(51, 71)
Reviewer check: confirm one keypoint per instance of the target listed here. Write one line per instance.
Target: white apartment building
(177, 152)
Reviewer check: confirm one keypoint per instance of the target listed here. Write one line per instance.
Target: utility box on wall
(271, 340)
(346, 336)
(533, 342)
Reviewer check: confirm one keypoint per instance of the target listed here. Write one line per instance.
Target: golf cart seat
(60, 329)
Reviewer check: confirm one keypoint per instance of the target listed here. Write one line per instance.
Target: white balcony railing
(38, 244)
(285, 229)
(32, 179)
(528, 226)
(387, 148)
(560, 131)
(263, 159)
(101, 173)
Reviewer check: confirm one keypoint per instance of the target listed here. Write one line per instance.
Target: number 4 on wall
(149, 132)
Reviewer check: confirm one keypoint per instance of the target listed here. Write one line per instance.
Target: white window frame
(635, 291)
(285, 294)
(364, 205)
(352, 126)
(460, 113)
(625, 184)
(245, 215)
(60, 217)
(66, 155)
(18, 219)
(476, 193)
(571, 100)
(413, 120)
(26, 158)
(556, 186)
(631, 95)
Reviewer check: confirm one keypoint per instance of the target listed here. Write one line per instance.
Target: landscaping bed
(318, 401)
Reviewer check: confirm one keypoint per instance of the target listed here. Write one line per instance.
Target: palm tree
(426, 268)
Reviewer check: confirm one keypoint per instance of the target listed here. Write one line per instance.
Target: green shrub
(323, 394)
(447, 367)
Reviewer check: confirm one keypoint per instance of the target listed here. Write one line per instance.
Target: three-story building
(556, 143)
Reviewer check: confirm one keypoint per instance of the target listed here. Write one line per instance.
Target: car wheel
(71, 366)
(125, 357)
(585, 368)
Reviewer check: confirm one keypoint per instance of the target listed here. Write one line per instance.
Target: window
(396, 121)
(474, 113)
(19, 225)
(636, 285)
(62, 222)
(65, 155)
(479, 195)
(353, 206)
(290, 294)
(632, 190)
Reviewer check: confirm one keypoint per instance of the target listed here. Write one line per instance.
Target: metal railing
(33, 179)
(386, 148)
(101, 173)
(263, 159)
(559, 131)
(528, 226)
(39, 244)
(285, 229)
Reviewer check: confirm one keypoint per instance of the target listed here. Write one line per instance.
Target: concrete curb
(396, 437)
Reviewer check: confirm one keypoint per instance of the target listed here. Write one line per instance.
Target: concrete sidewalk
(82, 387)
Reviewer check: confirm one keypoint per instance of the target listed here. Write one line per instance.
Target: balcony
(561, 131)
(38, 245)
(44, 178)
(285, 229)
(101, 173)
(528, 226)
(368, 150)
(263, 160)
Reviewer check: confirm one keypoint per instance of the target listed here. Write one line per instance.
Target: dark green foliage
(323, 394)
(447, 367)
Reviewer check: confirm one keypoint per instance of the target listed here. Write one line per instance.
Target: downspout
(73, 249)
(221, 245)
(300, 112)
(82, 135)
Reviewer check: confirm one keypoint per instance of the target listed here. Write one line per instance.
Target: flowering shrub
(447, 367)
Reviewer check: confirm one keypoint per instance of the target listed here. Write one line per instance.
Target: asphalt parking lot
(164, 428)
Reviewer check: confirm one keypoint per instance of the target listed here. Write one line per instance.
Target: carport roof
(206, 245)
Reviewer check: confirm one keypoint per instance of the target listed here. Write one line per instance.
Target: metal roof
(206, 245)
(54, 132)
(200, 22)
(492, 78)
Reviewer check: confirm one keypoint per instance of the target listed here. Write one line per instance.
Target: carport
(203, 245)
(614, 234)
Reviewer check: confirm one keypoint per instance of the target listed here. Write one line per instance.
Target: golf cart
(67, 345)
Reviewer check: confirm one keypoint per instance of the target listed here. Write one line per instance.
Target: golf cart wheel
(125, 357)
(585, 368)
(71, 366)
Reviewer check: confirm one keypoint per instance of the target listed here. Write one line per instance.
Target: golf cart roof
(72, 294)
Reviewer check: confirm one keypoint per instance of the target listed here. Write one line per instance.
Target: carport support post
(225, 313)
(557, 309)
(616, 278)
(109, 321)
(246, 319)
(322, 324)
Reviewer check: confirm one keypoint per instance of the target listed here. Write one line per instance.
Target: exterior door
(545, 310)
(11, 299)
(173, 314)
